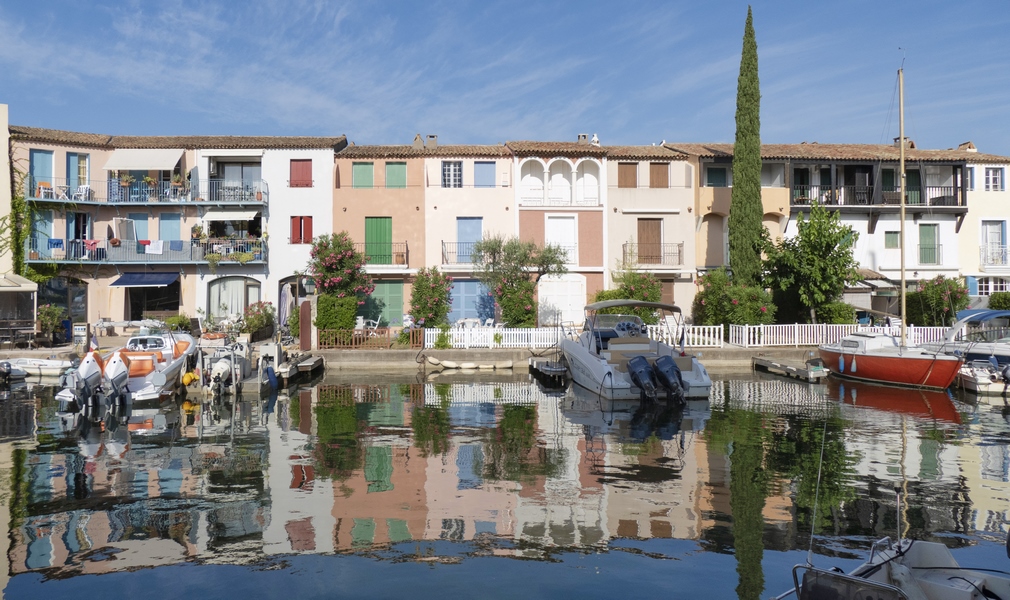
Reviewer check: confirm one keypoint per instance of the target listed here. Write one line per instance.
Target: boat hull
(601, 377)
(911, 369)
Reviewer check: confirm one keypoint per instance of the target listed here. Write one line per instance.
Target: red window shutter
(307, 230)
(301, 173)
(296, 230)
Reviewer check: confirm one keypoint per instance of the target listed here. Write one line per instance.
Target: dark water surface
(490, 488)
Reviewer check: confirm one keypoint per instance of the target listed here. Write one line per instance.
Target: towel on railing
(154, 247)
(55, 243)
(175, 245)
(90, 244)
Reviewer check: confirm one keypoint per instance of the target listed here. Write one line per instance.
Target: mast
(901, 201)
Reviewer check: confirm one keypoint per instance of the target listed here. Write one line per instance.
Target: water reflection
(501, 464)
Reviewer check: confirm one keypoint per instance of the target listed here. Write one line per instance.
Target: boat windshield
(607, 321)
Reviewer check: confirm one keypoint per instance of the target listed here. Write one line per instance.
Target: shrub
(836, 313)
(333, 312)
(721, 302)
(179, 322)
(337, 268)
(257, 316)
(634, 285)
(936, 302)
(999, 301)
(431, 297)
(51, 318)
(518, 308)
(442, 342)
(294, 320)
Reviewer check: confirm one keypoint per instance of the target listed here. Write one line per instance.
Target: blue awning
(145, 280)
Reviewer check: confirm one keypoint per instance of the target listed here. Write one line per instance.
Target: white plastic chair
(83, 193)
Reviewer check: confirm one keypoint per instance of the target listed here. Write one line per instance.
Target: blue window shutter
(169, 226)
(972, 286)
(139, 224)
(483, 174)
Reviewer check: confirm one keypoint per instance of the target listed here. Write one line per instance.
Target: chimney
(583, 138)
(967, 147)
(418, 142)
(908, 143)
(432, 142)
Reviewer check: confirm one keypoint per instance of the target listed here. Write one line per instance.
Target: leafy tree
(510, 269)
(338, 272)
(936, 302)
(725, 302)
(816, 264)
(634, 285)
(431, 297)
(746, 231)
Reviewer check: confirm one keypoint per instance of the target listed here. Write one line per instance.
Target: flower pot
(259, 196)
(33, 255)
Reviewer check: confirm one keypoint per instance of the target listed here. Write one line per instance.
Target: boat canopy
(595, 306)
(974, 317)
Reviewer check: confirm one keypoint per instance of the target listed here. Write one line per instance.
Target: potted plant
(212, 258)
(177, 180)
(126, 180)
(150, 181)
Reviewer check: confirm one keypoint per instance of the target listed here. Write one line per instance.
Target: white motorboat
(984, 377)
(614, 358)
(978, 336)
(42, 367)
(150, 365)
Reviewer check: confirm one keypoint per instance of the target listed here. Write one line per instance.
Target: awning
(145, 280)
(230, 215)
(879, 283)
(16, 283)
(144, 159)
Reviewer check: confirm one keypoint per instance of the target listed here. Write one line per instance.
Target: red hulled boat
(876, 357)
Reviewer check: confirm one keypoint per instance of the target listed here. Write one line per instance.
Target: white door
(561, 231)
(562, 299)
(992, 241)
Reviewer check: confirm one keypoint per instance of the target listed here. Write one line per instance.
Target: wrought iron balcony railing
(384, 253)
(457, 253)
(146, 251)
(651, 253)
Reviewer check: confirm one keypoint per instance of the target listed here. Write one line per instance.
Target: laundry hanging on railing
(55, 243)
(154, 247)
(91, 245)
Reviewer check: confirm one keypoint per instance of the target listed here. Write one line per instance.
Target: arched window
(532, 185)
(229, 296)
(560, 191)
(587, 184)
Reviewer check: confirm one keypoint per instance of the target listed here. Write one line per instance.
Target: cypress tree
(746, 231)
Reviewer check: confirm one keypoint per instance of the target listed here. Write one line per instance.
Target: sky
(487, 72)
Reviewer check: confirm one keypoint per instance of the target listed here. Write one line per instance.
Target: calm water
(490, 488)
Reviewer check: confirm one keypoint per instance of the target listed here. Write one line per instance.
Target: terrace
(654, 254)
(123, 191)
(114, 251)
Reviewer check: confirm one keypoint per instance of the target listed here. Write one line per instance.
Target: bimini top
(595, 306)
(974, 317)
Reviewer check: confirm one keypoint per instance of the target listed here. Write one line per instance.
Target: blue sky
(488, 72)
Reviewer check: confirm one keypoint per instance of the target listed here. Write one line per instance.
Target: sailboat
(878, 357)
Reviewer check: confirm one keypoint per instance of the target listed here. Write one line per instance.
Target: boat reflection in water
(503, 469)
(926, 404)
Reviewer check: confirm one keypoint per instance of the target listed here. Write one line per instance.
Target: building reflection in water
(504, 464)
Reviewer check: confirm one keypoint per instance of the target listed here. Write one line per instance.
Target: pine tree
(746, 231)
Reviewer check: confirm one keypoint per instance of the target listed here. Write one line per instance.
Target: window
(990, 285)
(994, 180)
(716, 177)
(659, 175)
(929, 247)
(301, 230)
(452, 174)
(772, 175)
(483, 174)
(301, 173)
(230, 296)
(361, 175)
(77, 171)
(891, 239)
(139, 225)
(627, 175)
(396, 175)
(970, 177)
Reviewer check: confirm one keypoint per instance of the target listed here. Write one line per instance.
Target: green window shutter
(379, 240)
(390, 294)
(396, 175)
(891, 239)
(361, 175)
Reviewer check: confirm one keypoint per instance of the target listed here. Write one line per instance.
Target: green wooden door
(929, 250)
(388, 296)
(913, 187)
(379, 240)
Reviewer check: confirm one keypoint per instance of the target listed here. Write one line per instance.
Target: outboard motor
(669, 376)
(5, 372)
(641, 375)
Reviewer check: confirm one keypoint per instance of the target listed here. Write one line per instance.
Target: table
(61, 192)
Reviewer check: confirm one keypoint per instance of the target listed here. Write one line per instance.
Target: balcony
(380, 254)
(930, 254)
(584, 195)
(654, 254)
(866, 195)
(132, 251)
(457, 253)
(994, 258)
(112, 191)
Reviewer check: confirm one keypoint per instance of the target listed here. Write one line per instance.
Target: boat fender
(271, 377)
(905, 581)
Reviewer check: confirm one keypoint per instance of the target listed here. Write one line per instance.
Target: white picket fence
(695, 336)
(799, 334)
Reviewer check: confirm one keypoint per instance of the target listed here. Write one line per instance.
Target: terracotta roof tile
(643, 153)
(56, 136)
(853, 152)
(550, 149)
(409, 151)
